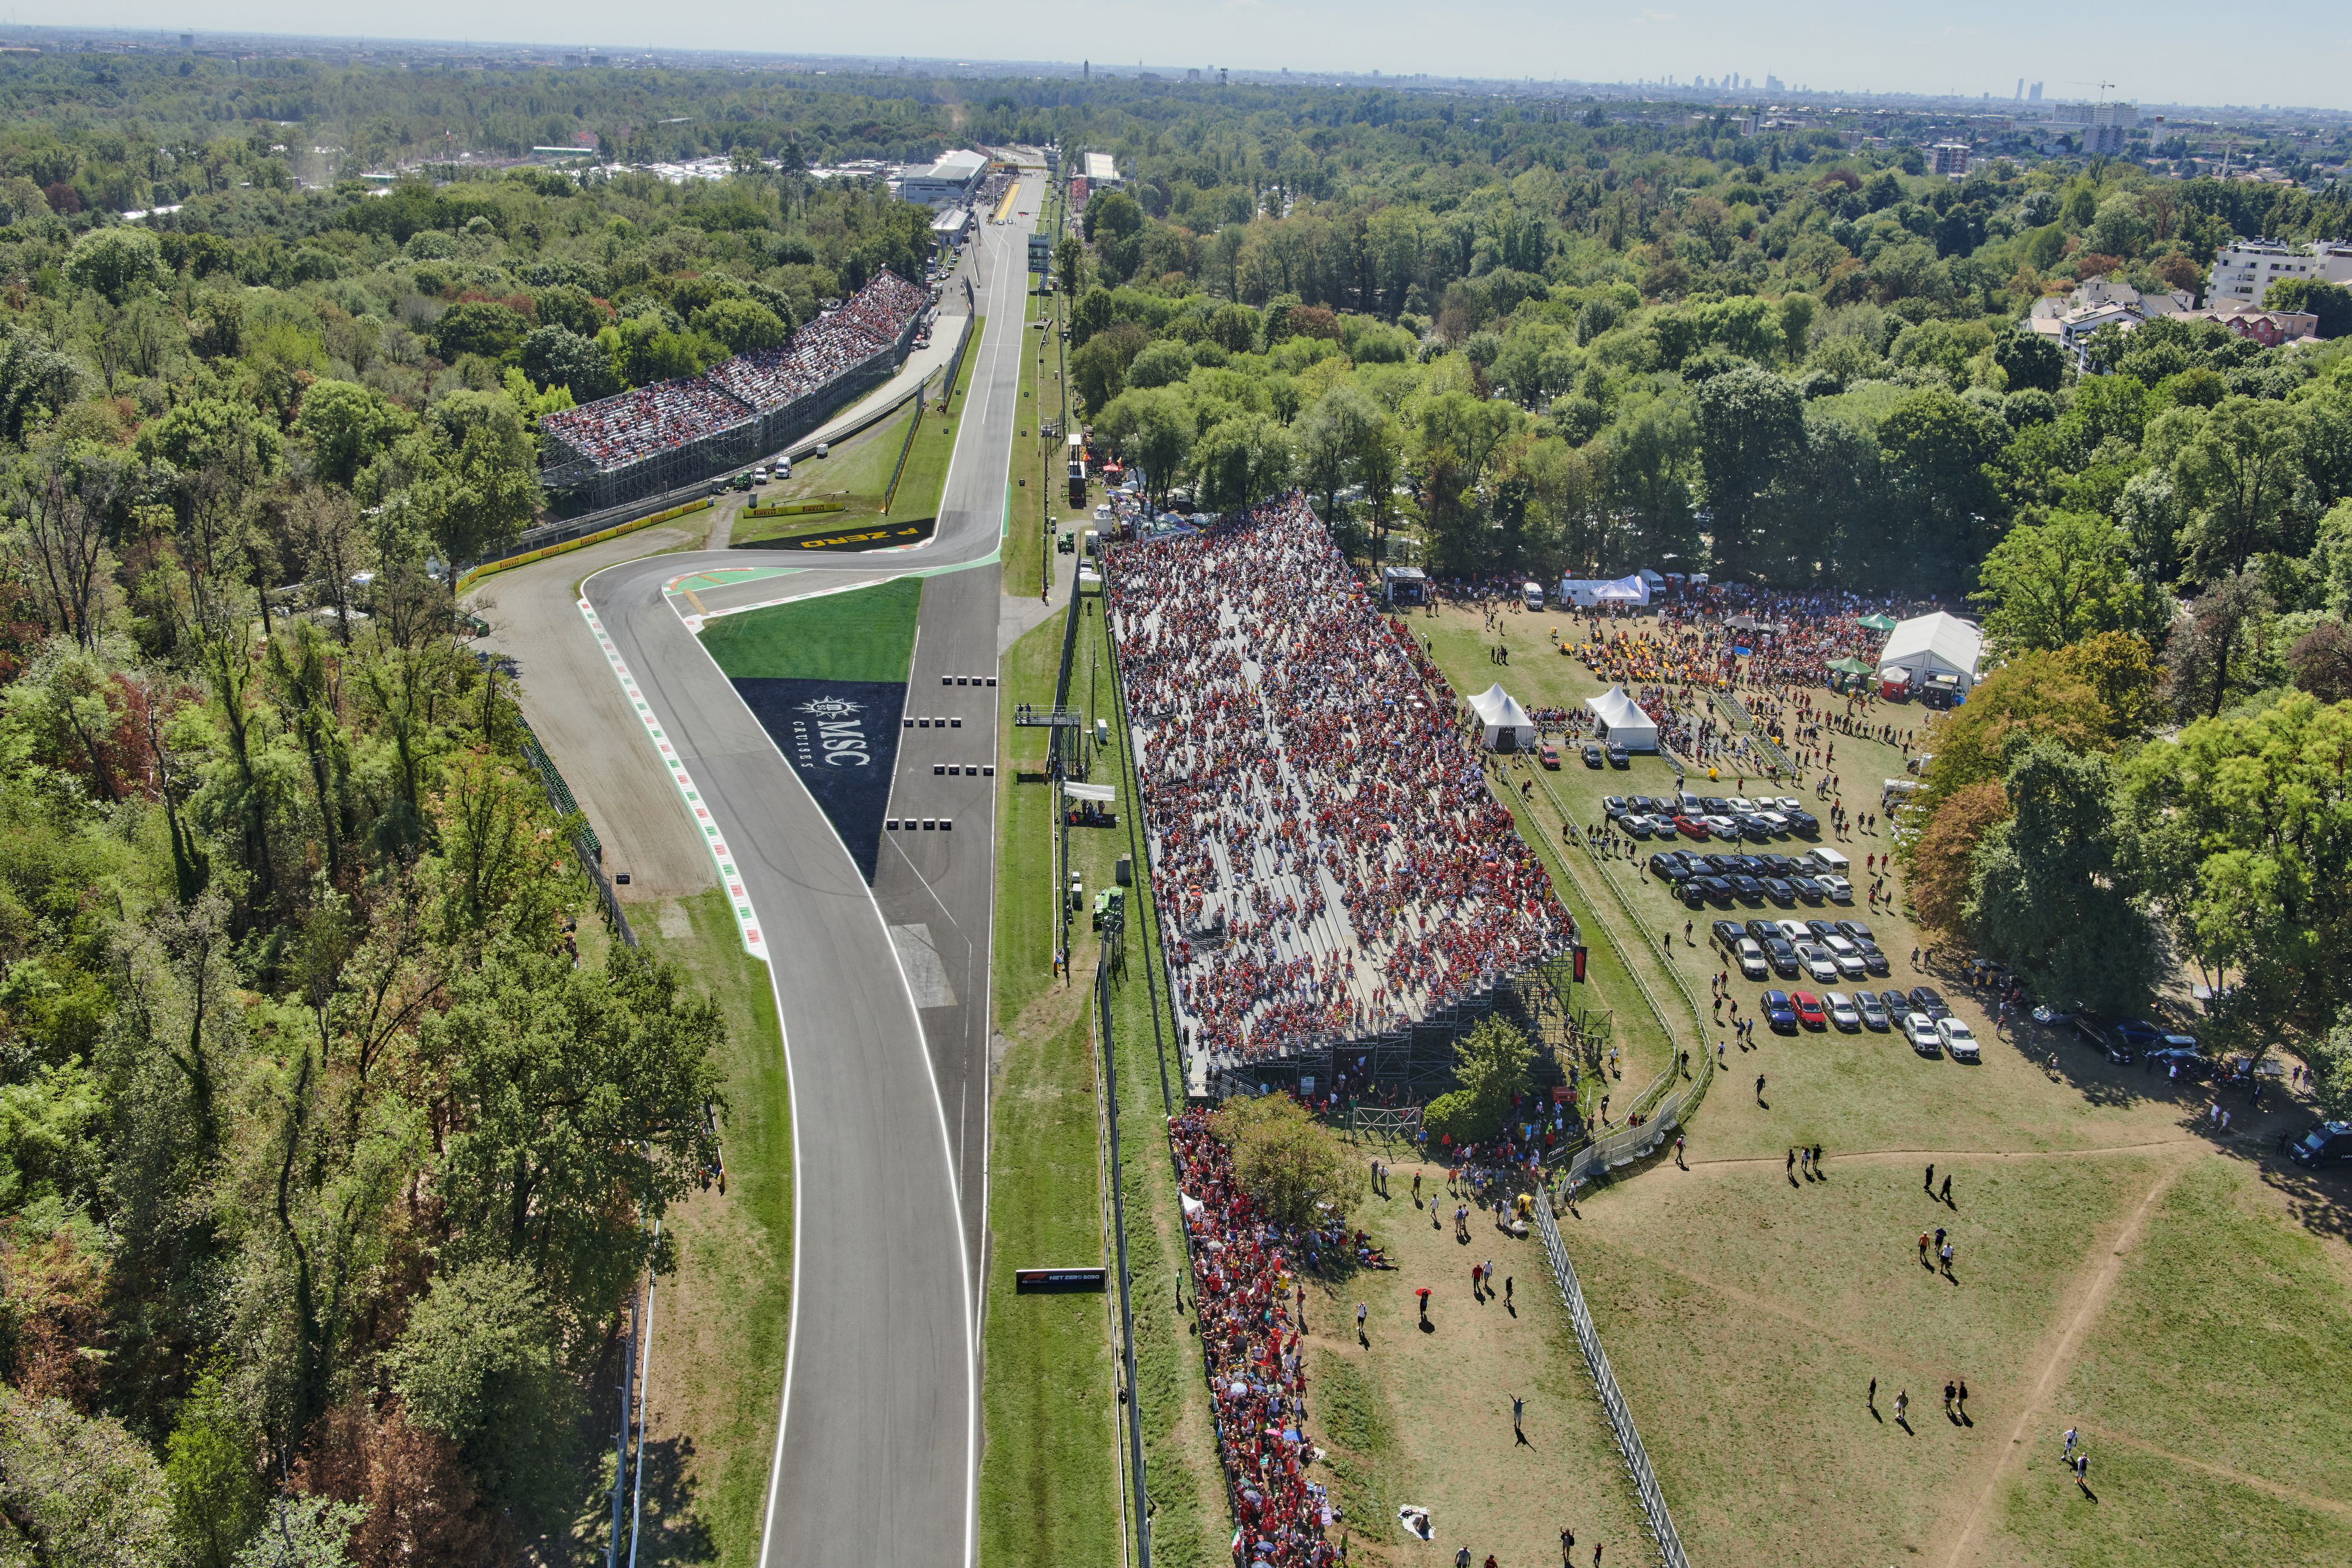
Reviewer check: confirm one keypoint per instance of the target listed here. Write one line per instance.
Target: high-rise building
(2020, 89)
(1771, 83)
(2033, 93)
(1951, 159)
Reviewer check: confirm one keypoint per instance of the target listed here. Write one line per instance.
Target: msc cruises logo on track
(836, 738)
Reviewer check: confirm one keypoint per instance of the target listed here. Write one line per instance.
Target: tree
(70, 504)
(1070, 266)
(743, 325)
(1114, 222)
(1282, 1158)
(210, 1464)
(2243, 474)
(1938, 449)
(576, 1101)
(35, 381)
(477, 327)
(2250, 818)
(1649, 472)
(556, 357)
(2048, 584)
(1153, 426)
(1750, 424)
(2330, 1059)
(2052, 891)
(2030, 361)
(1942, 857)
(2203, 660)
(479, 1364)
(304, 1532)
(1242, 461)
(117, 263)
(348, 426)
(1328, 437)
(1099, 368)
(2322, 661)
(78, 1490)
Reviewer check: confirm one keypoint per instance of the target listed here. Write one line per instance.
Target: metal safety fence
(1612, 1399)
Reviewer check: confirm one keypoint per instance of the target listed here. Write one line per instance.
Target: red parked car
(1810, 1011)
(1690, 827)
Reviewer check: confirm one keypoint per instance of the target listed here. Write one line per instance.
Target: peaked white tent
(1500, 716)
(1928, 645)
(1622, 721)
(1585, 592)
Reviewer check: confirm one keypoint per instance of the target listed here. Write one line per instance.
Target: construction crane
(2104, 87)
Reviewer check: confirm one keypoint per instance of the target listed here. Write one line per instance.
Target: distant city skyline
(1980, 51)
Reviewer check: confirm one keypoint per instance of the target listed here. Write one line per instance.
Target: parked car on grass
(1591, 754)
(1921, 1032)
(1779, 1013)
(1958, 1040)
(1926, 1000)
(1752, 963)
(1810, 1011)
(1873, 1012)
(1842, 1012)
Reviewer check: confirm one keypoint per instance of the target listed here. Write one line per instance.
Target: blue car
(1779, 1012)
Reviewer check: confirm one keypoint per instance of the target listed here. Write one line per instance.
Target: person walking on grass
(1951, 1391)
(1759, 1089)
(1518, 1417)
(1946, 1196)
(1566, 1548)
(1927, 1182)
(1922, 1249)
(1902, 1403)
(2068, 1452)
(1963, 1400)
(1679, 1162)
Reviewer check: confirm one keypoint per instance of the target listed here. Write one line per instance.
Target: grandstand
(1333, 875)
(654, 439)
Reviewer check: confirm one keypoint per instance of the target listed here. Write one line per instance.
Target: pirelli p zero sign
(1055, 1281)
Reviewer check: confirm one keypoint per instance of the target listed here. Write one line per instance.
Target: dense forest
(325, 1165)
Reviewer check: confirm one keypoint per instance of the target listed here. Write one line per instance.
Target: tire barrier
(481, 570)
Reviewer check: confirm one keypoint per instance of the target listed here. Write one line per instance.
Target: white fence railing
(1612, 1399)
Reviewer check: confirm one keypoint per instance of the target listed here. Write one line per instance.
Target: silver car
(1873, 1012)
(1818, 963)
(1921, 1032)
(1842, 1012)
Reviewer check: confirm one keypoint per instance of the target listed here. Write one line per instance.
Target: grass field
(2119, 1268)
(1040, 490)
(721, 1322)
(863, 634)
(856, 472)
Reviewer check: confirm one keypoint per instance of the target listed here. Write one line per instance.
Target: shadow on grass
(671, 1528)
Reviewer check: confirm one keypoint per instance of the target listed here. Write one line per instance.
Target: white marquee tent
(1928, 645)
(1500, 715)
(1586, 592)
(1622, 721)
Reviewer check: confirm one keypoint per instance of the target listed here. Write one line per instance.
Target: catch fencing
(1612, 1399)
(584, 842)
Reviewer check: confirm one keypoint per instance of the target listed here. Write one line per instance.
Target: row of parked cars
(1919, 1015)
(1827, 950)
(1729, 817)
(1700, 879)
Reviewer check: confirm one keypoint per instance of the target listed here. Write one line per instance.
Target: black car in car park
(1925, 999)
(1666, 865)
(1778, 890)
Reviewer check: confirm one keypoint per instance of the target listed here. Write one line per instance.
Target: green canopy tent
(1853, 667)
(1878, 623)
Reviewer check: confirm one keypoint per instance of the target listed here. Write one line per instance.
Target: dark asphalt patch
(873, 536)
(842, 738)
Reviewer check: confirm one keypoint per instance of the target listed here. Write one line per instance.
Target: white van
(1824, 858)
(1534, 594)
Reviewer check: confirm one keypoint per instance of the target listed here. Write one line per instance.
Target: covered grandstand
(1334, 878)
(654, 439)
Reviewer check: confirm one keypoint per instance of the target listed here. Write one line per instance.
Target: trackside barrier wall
(1613, 1400)
(955, 362)
(584, 842)
(474, 574)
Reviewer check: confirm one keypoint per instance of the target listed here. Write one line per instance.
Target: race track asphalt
(884, 995)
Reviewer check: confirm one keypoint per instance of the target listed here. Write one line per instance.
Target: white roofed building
(1929, 645)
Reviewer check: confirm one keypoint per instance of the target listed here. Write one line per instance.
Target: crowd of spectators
(614, 431)
(1320, 829)
(1244, 1286)
(630, 426)
(830, 346)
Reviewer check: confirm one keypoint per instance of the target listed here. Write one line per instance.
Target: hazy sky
(2291, 51)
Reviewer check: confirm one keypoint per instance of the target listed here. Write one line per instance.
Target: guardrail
(569, 541)
(1612, 1399)
(914, 428)
(955, 361)
(584, 842)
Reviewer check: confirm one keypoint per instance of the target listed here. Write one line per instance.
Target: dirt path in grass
(2312, 1501)
(2087, 1296)
(1888, 1156)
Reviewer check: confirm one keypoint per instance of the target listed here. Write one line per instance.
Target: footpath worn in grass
(721, 1321)
(864, 634)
